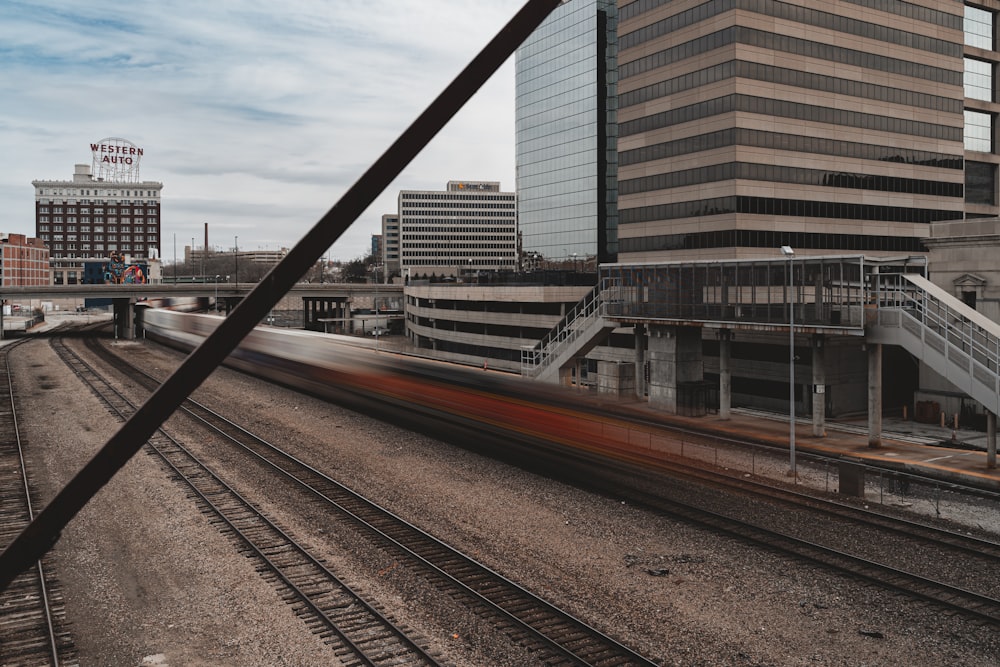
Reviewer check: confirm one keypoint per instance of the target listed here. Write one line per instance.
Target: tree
(356, 270)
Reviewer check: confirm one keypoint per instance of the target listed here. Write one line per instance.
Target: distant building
(194, 256)
(390, 244)
(377, 248)
(90, 217)
(469, 228)
(23, 261)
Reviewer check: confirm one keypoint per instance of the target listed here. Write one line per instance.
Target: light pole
(217, 292)
(236, 259)
(375, 269)
(789, 253)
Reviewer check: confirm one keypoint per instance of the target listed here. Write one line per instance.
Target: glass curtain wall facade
(566, 148)
(745, 125)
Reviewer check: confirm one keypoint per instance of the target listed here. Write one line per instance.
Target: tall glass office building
(566, 148)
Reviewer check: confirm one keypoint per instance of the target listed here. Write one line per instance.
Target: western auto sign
(116, 160)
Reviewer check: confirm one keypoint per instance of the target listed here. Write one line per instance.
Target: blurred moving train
(451, 402)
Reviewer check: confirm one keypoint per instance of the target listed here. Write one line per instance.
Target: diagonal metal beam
(44, 530)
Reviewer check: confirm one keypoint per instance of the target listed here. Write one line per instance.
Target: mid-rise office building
(467, 229)
(89, 216)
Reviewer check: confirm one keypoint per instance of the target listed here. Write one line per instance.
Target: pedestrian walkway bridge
(885, 301)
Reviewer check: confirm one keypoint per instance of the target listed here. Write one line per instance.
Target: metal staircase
(954, 340)
(582, 328)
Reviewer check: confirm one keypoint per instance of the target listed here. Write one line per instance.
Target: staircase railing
(967, 339)
(535, 358)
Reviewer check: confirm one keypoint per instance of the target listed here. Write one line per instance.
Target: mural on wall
(116, 272)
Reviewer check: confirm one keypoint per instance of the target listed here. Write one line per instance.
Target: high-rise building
(751, 124)
(93, 217)
(469, 228)
(745, 125)
(566, 149)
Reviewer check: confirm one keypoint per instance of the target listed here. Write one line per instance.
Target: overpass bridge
(320, 301)
(879, 301)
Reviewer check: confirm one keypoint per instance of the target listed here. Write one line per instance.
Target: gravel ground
(148, 581)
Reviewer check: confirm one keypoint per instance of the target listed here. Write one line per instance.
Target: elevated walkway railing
(569, 334)
(960, 344)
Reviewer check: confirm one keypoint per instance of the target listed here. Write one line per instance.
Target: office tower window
(980, 183)
(978, 28)
(978, 131)
(978, 79)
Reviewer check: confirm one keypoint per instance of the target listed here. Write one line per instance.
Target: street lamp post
(217, 292)
(789, 253)
(375, 303)
(236, 259)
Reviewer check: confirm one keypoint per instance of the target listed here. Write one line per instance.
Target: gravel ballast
(146, 577)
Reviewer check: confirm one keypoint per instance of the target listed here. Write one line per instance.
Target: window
(978, 131)
(978, 79)
(978, 26)
(980, 183)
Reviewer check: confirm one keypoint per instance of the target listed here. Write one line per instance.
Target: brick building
(23, 261)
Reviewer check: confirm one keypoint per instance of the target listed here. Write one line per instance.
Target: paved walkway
(925, 449)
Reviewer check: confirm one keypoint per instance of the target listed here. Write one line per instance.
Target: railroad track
(552, 636)
(356, 630)
(33, 628)
(972, 558)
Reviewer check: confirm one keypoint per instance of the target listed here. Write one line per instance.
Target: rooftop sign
(116, 160)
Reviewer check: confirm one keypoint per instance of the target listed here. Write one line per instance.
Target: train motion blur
(416, 392)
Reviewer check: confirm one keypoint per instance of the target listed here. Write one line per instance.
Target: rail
(577, 320)
(951, 337)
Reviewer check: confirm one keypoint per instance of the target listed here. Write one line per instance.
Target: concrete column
(124, 316)
(991, 440)
(874, 395)
(819, 385)
(674, 358)
(617, 379)
(725, 372)
(640, 361)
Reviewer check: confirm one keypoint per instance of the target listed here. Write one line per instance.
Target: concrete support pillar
(991, 440)
(819, 385)
(641, 344)
(124, 319)
(616, 379)
(674, 359)
(874, 395)
(725, 372)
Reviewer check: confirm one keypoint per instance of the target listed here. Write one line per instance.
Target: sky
(256, 116)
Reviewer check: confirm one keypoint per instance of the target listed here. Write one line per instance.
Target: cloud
(255, 116)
